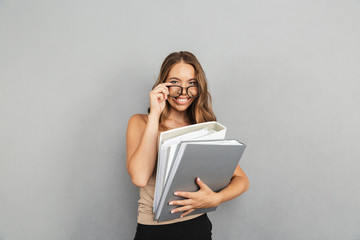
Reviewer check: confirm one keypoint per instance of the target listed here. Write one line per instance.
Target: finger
(163, 85)
(181, 202)
(160, 89)
(201, 184)
(184, 194)
(167, 84)
(159, 96)
(158, 93)
(187, 213)
(164, 90)
(181, 209)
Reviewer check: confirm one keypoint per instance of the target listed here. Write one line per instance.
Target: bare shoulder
(138, 118)
(137, 123)
(135, 130)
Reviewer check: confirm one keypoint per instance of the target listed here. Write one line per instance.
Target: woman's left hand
(203, 198)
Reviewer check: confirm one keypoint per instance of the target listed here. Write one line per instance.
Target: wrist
(154, 116)
(218, 199)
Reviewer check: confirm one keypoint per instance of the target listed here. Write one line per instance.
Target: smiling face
(183, 69)
(182, 74)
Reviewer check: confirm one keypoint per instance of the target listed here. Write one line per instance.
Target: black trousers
(198, 228)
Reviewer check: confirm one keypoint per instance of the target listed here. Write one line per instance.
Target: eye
(173, 82)
(193, 83)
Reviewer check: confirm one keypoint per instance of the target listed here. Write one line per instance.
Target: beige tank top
(145, 213)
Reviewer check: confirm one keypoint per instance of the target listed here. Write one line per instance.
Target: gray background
(284, 76)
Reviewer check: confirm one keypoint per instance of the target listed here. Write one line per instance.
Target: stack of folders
(199, 150)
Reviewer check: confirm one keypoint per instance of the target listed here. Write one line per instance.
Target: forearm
(237, 186)
(142, 162)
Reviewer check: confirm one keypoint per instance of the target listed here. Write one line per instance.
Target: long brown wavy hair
(201, 109)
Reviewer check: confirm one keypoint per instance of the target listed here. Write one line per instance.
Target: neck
(178, 116)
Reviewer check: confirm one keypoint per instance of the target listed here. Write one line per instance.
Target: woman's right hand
(158, 98)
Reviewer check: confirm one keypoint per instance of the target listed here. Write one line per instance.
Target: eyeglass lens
(175, 91)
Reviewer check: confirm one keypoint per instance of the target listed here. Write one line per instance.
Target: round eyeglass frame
(187, 91)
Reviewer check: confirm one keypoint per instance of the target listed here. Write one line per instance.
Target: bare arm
(239, 184)
(141, 138)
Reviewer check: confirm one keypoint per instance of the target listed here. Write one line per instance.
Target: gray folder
(213, 161)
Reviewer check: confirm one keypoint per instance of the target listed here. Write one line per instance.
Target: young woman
(178, 98)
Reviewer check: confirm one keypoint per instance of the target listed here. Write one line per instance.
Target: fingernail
(176, 193)
(181, 216)
(172, 211)
(170, 203)
(199, 179)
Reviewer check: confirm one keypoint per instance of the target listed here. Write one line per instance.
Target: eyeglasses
(176, 91)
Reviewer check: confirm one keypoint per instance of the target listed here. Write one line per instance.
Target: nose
(183, 91)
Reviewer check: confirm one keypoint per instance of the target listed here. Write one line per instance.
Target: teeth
(181, 100)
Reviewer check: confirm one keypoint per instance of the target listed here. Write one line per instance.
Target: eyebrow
(180, 79)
